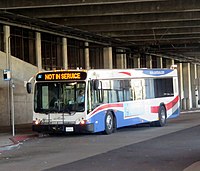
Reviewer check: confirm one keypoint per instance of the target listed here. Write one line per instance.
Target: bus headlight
(83, 122)
(37, 121)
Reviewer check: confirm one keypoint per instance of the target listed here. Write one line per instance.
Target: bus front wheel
(162, 117)
(109, 123)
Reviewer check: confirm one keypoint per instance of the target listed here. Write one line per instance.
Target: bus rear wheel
(162, 117)
(109, 123)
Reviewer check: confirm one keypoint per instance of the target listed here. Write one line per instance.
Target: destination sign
(59, 76)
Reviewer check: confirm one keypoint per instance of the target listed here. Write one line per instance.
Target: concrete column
(87, 56)
(136, 61)
(38, 51)
(108, 64)
(181, 89)
(187, 85)
(7, 46)
(121, 59)
(149, 61)
(159, 62)
(173, 62)
(196, 85)
(64, 52)
(125, 60)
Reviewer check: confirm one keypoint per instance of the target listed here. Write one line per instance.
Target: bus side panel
(98, 119)
(175, 114)
(127, 114)
(172, 105)
(135, 112)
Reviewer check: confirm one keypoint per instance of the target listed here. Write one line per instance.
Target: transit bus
(111, 98)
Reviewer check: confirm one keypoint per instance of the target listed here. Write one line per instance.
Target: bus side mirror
(28, 87)
(95, 84)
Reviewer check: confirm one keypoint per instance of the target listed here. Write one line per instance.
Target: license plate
(69, 129)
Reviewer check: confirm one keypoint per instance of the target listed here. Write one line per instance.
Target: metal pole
(12, 107)
(11, 88)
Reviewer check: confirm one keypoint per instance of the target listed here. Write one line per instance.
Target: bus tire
(109, 123)
(162, 117)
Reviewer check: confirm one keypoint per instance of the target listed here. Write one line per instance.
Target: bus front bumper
(86, 128)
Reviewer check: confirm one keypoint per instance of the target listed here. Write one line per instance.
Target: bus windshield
(59, 97)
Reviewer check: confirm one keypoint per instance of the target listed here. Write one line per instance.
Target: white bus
(111, 98)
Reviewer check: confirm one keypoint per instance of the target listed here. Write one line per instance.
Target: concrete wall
(21, 71)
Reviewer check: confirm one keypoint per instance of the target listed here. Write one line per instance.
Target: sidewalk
(22, 133)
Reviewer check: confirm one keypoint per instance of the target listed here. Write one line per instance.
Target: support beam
(149, 61)
(65, 54)
(187, 86)
(7, 48)
(38, 51)
(196, 86)
(136, 61)
(108, 64)
(181, 88)
(121, 59)
(87, 56)
(159, 62)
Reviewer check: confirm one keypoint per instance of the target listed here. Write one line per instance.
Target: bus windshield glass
(59, 97)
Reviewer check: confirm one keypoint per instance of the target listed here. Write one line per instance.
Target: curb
(16, 140)
(20, 138)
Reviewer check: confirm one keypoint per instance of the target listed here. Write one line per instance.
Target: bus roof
(61, 75)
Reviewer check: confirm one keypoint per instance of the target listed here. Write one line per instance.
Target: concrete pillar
(38, 51)
(7, 46)
(196, 85)
(149, 61)
(125, 60)
(159, 62)
(173, 62)
(136, 61)
(187, 85)
(64, 51)
(108, 64)
(87, 56)
(121, 59)
(181, 89)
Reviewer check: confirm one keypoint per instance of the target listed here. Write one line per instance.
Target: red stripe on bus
(106, 106)
(127, 73)
(155, 109)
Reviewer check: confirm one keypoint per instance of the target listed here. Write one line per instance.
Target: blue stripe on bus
(156, 72)
(175, 114)
(99, 120)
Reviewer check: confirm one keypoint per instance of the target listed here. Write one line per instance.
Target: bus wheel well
(162, 104)
(115, 122)
(110, 122)
(162, 115)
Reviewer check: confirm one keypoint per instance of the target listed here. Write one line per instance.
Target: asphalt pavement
(8, 142)
(177, 151)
